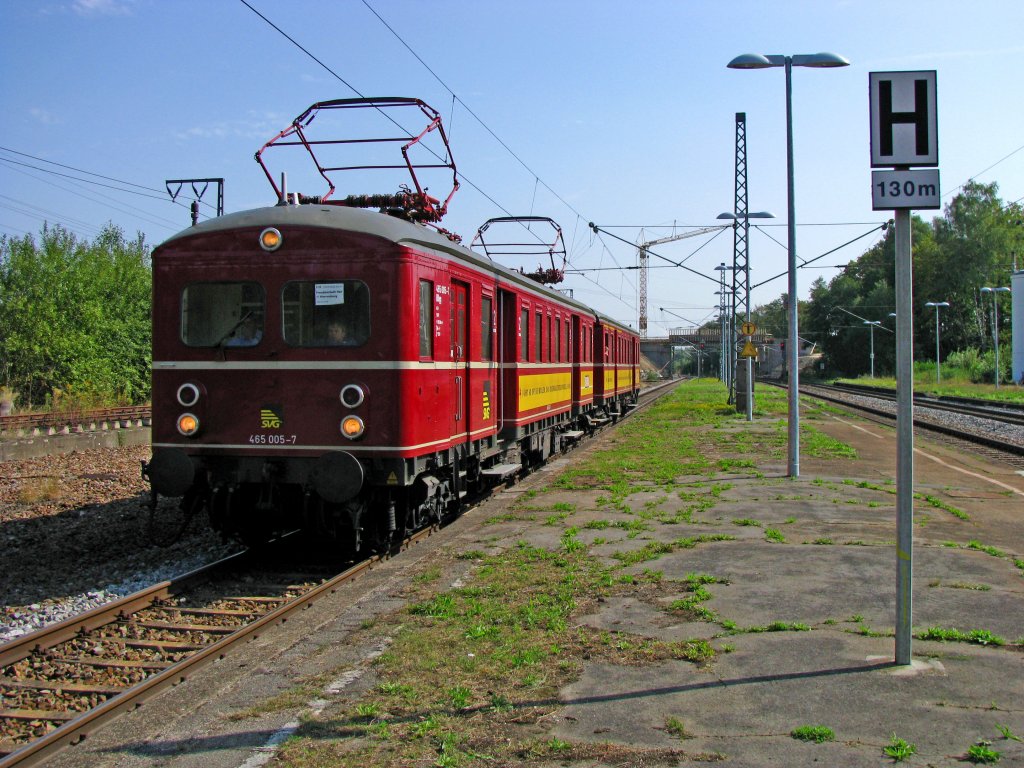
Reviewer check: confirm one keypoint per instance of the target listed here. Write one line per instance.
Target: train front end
(270, 328)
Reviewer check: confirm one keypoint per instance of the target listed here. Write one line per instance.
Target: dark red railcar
(354, 373)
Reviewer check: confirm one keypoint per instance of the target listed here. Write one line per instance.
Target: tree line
(973, 244)
(74, 319)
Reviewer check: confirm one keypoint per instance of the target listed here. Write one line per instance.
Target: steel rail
(78, 729)
(54, 634)
(1009, 412)
(72, 419)
(970, 437)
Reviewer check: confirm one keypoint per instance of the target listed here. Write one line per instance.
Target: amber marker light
(352, 427)
(188, 424)
(270, 239)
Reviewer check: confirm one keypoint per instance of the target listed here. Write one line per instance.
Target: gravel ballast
(75, 533)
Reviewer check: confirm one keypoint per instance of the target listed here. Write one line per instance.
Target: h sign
(904, 119)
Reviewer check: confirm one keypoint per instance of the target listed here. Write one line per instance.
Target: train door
(460, 360)
(508, 351)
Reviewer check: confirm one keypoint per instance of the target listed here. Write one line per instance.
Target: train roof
(389, 228)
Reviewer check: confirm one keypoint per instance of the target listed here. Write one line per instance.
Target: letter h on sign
(904, 119)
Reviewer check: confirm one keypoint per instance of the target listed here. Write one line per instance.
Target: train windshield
(326, 313)
(228, 314)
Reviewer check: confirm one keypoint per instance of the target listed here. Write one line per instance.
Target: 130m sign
(917, 189)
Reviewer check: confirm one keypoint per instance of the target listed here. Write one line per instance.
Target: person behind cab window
(248, 333)
(337, 333)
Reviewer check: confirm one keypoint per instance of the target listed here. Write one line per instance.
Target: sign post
(749, 353)
(904, 133)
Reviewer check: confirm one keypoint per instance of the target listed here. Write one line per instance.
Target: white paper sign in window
(329, 293)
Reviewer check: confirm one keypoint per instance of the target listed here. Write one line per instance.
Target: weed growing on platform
(675, 727)
(774, 534)
(1006, 733)
(779, 626)
(816, 733)
(982, 753)
(988, 550)
(899, 749)
(940, 504)
(819, 445)
(693, 605)
(975, 636)
(960, 585)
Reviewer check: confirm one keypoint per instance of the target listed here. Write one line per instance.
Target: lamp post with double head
(995, 321)
(761, 61)
(938, 365)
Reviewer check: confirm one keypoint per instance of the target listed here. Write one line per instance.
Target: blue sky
(617, 113)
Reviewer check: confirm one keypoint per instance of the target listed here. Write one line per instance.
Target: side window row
(533, 328)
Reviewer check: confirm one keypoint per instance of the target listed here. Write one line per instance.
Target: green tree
(974, 239)
(970, 245)
(75, 316)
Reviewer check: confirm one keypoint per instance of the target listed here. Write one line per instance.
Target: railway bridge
(659, 349)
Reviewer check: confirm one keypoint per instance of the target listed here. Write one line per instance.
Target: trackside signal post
(904, 133)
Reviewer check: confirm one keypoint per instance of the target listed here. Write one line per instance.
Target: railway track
(996, 432)
(69, 679)
(1007, 412)
(73, 420)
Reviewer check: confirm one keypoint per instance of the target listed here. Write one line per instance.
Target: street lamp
(736, 219)
(995, 322)
(871, 324)
(938, 365)
(760, 61)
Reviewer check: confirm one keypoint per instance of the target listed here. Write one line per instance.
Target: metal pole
(750, 361)
(995, 332)
(905, 436)
(872, 350)
(794, 338)
(938, 363)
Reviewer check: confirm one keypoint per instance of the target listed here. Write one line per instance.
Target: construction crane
(645, 257)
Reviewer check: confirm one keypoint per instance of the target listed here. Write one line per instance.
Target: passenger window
(538, 336)
(228, 314)
(550, 351)
(524, 329)
(426, 318)
(486, 325)
(326, 313)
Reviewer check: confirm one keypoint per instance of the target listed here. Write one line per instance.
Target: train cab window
(486, 329)
(558, 340)
(228, 314)
(524, 329)
(326, 313)
(426, 318)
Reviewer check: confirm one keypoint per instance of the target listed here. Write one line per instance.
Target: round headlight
(188, 395)
(352, 427)
(188, 424)
(352, 395)
(270, 239)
